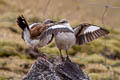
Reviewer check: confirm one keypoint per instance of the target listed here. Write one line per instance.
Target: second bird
(81, 34)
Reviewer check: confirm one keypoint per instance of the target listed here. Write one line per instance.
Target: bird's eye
(52, 21)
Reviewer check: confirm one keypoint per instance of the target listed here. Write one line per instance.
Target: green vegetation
(14, 64)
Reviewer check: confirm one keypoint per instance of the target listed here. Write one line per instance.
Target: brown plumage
(32, 32)
(37, 30)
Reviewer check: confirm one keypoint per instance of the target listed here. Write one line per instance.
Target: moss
(72, 52)
(114, 32)
(77, 48)
(9, 17)
(97, 46)
(52, 45)
(90, 48)
(113, 45)
(113, 50)
(95, 58)
(97, 76)
(10, 49)
(115, 64)
(7, 53)
(95, 70)
(34, 19)
(50, 51)
(3, 78)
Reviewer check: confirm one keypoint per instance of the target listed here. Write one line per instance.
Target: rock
(55, 69)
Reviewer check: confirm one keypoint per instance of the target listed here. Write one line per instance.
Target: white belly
(65, 40)
(38, 43)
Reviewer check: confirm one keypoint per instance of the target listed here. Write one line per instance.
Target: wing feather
(87, 32)
(54, 30)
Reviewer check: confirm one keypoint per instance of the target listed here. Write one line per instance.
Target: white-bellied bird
(30, 33)
(66, 37)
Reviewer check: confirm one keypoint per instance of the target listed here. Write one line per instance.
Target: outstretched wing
(53, 30)
(87, 32)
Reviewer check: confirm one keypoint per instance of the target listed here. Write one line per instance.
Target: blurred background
(99, 63)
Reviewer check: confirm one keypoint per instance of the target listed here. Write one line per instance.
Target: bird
(79, 35)
(30, 33)
(60, 32)
(65, 40)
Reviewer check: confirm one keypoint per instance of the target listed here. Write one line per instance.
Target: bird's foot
(36, 50)
(42, 55)
(67, 58)
(62, 58)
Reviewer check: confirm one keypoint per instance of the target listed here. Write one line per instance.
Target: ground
(14, 64)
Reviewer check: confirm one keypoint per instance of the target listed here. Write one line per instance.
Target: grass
(13, 61)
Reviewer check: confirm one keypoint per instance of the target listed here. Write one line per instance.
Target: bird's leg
(36, 50)
(61, 55)
(67, 55)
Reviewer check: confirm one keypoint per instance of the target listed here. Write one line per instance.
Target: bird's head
(63, 21)
(49, 21)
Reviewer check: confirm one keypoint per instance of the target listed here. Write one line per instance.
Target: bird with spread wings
(40, 34)
(66, 36)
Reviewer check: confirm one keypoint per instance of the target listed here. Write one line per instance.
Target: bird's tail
(22, 23)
